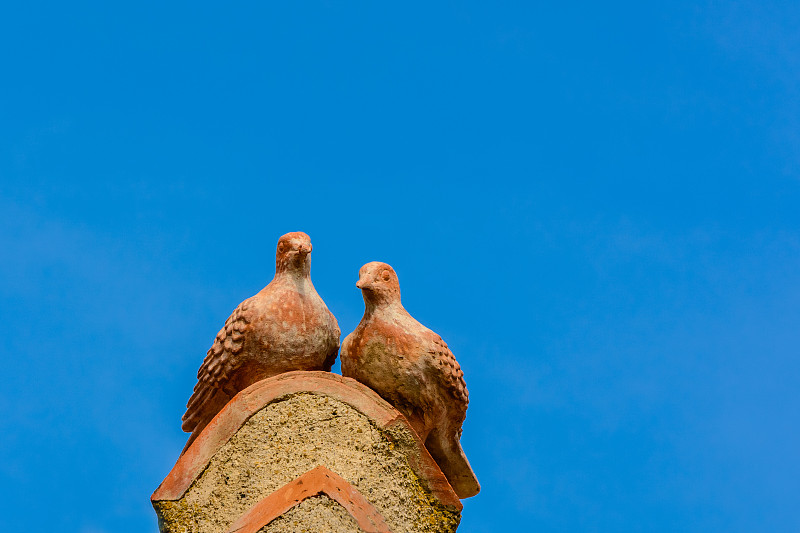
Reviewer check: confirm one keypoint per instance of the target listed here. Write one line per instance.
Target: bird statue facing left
(285, 327)
(412, 368)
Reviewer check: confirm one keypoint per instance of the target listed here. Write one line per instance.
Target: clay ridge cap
(319, 480)
(248, 402)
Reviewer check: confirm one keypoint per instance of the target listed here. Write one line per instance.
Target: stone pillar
(307, 451)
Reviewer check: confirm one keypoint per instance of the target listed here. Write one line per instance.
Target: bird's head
(378, 283)
(294, 253)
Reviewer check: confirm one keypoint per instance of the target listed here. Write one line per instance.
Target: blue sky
(596, 205)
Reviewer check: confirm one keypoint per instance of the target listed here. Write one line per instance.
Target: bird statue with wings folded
(412, 368)
(285, 327)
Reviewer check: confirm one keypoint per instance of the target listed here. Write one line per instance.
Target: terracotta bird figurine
(412, 368)
(286, 326)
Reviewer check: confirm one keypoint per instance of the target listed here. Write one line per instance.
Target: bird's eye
(281, 247)
(385, 275)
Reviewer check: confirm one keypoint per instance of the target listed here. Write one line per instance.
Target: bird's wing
(450, 371)
(220, 362)
(330, 359)
(443, 440)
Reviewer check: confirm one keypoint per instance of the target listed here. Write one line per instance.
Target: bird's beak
(305, 249)
(360, 284)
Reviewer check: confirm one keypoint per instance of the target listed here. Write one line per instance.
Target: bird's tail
(189, 441)
(202, 407)
(444, 446)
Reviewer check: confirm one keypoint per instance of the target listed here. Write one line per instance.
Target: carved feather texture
(220, 363)
(451, 373)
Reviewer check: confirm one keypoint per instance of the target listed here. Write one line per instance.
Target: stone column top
(248, 402)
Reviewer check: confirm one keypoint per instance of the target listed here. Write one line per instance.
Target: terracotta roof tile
(316, 481)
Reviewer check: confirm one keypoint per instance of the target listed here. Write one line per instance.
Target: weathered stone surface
(319, 514)
(285, 327)
(282, 427)
(412, 368)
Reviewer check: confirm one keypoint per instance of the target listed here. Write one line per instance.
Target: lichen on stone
(289, 437)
